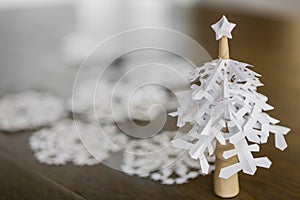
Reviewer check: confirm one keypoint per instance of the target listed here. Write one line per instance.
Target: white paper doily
(30, 110)
(157, 159)
(153, 157)
(109, 102)
(64, 143)
(171, 72)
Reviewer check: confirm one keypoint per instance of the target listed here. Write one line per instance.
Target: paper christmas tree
(227, 117)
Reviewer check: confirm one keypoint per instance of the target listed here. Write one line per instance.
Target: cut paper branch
(226, 110)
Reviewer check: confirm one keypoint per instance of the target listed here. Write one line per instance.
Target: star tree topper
(223, 28)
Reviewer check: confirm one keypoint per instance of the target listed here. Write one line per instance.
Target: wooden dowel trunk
(225, 188)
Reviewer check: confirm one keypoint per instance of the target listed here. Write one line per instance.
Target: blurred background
(43, 43)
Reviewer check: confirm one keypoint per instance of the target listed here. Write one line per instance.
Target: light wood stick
(223, 48)
(225, 188)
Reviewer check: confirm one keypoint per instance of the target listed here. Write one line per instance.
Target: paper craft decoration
(63, 143)
(30, 110)
(86, 145)
(227, 117)
(90, 100)
(157, 159)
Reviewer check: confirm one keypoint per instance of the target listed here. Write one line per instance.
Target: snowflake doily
(29, 110)
(153, 157)
(142, 102)
(157, 159)
(64, 143)
(83, 101)
(172, 72)
(112, 103)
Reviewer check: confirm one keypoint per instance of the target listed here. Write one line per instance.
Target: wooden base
(225, 188)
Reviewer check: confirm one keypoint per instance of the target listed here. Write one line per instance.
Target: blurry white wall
(281, 8)
(15, 4)
(98, 20)
(27, 33)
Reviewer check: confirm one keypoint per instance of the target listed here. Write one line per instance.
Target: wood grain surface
(271, 45)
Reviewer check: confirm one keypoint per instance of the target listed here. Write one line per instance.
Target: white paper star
(223, 28)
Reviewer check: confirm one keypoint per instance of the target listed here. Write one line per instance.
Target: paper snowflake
(30, 110)
(66, 142)
(157, 159)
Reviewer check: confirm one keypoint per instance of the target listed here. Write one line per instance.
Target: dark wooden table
(269, 44)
